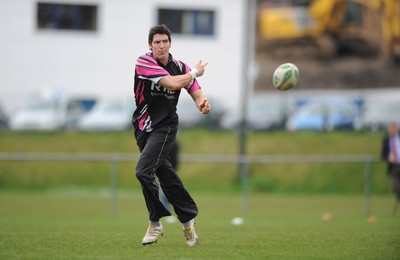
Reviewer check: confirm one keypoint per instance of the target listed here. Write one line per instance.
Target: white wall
(102, 63)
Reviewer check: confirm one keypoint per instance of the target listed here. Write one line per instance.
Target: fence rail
(115, 158)
(192, 158)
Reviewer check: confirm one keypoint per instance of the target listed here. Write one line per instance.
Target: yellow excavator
(326, 27)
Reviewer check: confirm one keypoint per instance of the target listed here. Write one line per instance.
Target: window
(66, 17)
(189, 22)
(353, 15)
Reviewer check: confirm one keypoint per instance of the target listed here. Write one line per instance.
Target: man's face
(392, 129)
(160, 47)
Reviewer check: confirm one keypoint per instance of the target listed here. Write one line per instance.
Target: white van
(50, 114)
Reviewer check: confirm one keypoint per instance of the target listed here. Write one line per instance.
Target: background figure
(174, 157)
(391, 154)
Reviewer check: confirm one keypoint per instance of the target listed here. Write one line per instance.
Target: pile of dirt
(346, 72)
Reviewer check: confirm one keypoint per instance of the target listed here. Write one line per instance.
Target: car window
(42, 106)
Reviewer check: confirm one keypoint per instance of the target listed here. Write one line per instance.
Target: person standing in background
(391, 154)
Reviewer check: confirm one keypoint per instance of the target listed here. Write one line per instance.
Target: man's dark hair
(159, 29)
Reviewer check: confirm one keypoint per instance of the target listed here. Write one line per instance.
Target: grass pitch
(78, 225)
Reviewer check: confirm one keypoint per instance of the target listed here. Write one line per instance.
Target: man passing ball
(159, 79)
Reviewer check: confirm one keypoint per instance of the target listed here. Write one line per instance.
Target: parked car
(324, 113)
(39, 114)
(3, 119)
(77, 108)
(264, 112)
(378, 113)
(49, 114)
(108, 114)
(190, 116)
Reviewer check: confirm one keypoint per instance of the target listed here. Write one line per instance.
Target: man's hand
(204, 106)
(200, 66)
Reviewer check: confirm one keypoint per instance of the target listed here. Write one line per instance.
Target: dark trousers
(155, 148)
(394, 174)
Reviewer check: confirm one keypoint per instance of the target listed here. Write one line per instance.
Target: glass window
(188, 22)
(66, 17)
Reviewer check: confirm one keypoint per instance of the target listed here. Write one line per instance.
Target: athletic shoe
(191, 237)
(152, 234)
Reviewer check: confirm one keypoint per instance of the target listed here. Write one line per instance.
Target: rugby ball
(285, 76)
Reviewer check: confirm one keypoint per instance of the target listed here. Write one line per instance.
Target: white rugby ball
(285, 76)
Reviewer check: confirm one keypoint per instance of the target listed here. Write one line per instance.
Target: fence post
(367, 187)
(244, 179)
(113, 182)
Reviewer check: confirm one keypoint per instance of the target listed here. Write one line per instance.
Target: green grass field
(77, 224)
(282, 178)
(61, 210)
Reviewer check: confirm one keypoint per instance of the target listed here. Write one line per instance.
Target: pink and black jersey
(155, 104)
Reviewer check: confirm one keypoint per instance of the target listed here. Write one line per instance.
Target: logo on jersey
(158, 88)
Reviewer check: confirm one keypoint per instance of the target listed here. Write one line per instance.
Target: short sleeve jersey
(155, 104)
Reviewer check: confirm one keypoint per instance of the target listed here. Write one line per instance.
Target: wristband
(193, 72)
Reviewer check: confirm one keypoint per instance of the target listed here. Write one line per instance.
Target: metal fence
(115, 159)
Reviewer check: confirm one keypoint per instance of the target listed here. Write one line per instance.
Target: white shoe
(191, 237)
(152, 235)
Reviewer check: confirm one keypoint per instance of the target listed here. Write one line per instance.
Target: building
(90, 46)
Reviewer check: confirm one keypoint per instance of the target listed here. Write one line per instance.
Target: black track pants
(395, 178)
(155, 147)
